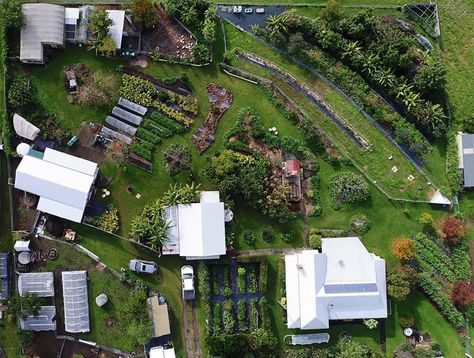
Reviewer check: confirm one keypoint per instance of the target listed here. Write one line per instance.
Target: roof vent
(341, 263)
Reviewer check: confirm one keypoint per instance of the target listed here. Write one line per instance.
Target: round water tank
(23, 149)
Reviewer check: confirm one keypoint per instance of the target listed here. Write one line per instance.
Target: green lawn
(373, 162)
(49, 82)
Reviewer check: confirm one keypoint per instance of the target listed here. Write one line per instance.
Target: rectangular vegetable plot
(237, 299)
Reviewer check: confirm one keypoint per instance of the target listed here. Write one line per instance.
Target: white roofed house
(343, 282)
(63, 182)
(197, 230)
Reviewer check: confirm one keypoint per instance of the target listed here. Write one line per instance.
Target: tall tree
(99, 24)
(144, 13)
(12, 14)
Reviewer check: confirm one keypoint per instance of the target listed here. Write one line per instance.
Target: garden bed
(167, 37)
(220, 100)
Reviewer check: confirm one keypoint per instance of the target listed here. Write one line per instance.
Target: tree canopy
(144, 13)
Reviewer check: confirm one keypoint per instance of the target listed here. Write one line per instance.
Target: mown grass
(374, 162)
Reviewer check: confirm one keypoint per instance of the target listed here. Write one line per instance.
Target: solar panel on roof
(351, 288)
(127, 116)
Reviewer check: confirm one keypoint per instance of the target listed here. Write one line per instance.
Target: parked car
(248, 10)
(187, 279)
(142, 266)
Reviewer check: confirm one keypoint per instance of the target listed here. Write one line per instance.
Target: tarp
(24, 128)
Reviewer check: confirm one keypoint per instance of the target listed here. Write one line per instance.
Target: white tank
(23, 149)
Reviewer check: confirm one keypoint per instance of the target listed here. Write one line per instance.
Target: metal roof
(4, 276)
(39, 283)
(43, 25)
(43, 321)
(159, 317)
(76, 305)
(468, 159)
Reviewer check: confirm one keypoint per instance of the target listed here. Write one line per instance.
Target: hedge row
(6, 126)
(437, 295)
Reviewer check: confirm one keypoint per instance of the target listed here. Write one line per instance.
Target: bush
(403, 248)
(267, 236)
(109, 221)
(249, 237)
(360, 224)
(451, 230)
(241, 283)
(177, 158)
(216, 318)
(228, 317)
(22, 94)
(287, 237)
(462, 295)
(145, 134)
(142, 151)
(144, 12)
(348, 187)
(371, 323)
(398, 285)
(315, 241)
(406, 321)
(242, 316)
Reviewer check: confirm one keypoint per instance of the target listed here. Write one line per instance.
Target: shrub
(141, 151)
(406, 321)
(348, 187)
(451, 230)
(228, 317)
(360, 224)
(241, 279)
(371, 323)
(228, 291)
(315, 241)
(425, 219)
(242, 316)
(177, 158)
(12, 13)
(249, 237)
(462, 295)
(145, 134)
(398, 285)
(267, 236)
(403, 248)
(216, 317)
(144, 12)
(288, 237)
(109, 221)
(21, 94)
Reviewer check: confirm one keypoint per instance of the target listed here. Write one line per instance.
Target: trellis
(426, 15)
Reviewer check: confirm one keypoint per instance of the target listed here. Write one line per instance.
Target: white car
(187, 279)
(248, 10)
(143, 266)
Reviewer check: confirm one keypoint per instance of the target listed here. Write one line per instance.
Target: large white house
(197, 230)
(342, 282)
(63, 182)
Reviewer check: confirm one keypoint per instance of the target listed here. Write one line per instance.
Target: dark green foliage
(144, 12)
(148, 136)
(267, 236)
(227, 345)
(254, 320)
(157, 129)
(166, 122)
(315, 241)
(12, 14)
(216, 317)
(287, 237)
(228, 317)
(204, 289)
(21, 94)
(348, 187)
(242, 316)
(296, 44)
(398, 285)
(21, 306)
(431, 78)
(141, 151)
(314, 195)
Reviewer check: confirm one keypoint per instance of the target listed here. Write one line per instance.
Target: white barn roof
(24, 128)
(40, 284)
(345, 281)
(43, 25)
(200, 228)
(61, 180)
(116, 30)
(76, 305)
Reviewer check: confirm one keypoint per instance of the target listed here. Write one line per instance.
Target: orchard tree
(462, 294)
(12, 13)
(398, 285)
(451, 229)
(403, 248)
(144, 13)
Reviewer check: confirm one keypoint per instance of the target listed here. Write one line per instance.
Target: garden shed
(43, 321)
(43, 25)
(344, 281)
(159, 317)
(63, 182)
(197, 230)
(76, 305)
(39, 283)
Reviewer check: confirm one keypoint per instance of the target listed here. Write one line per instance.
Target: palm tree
(384, 77)
(370, 64)
(158, 232)
(352, 49)
(277, 23)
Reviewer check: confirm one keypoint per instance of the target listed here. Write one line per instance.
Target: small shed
(22, 246)
(159, 317)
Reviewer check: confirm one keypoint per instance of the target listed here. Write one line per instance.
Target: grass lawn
(373, 162)
(116, 253)
(50, 84)
(9, 339)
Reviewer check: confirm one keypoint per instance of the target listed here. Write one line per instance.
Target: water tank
(23, 149)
